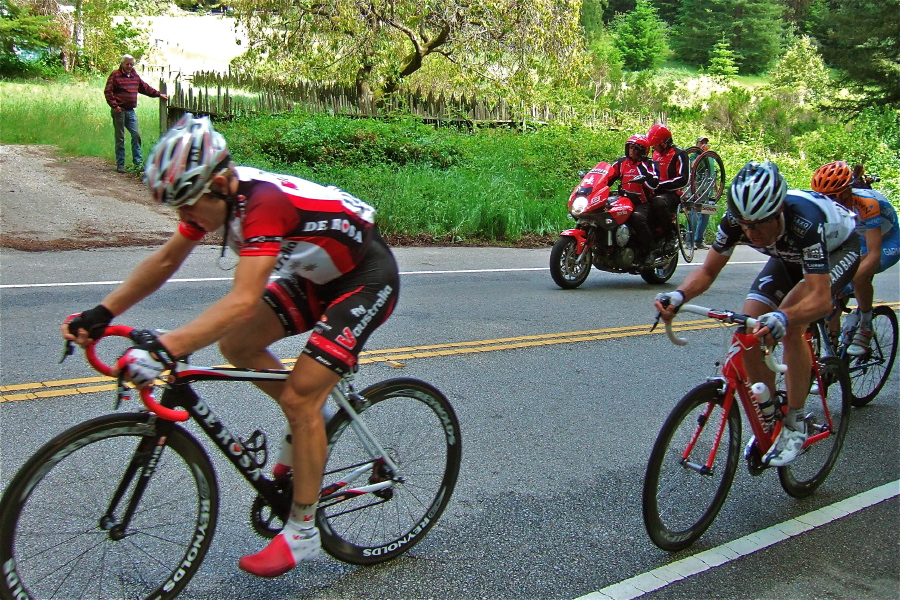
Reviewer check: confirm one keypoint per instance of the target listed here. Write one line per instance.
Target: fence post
(163, 108)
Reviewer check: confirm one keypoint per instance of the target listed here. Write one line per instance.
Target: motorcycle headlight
(579, 205)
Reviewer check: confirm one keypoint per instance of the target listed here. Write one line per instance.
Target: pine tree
(721, 65)
(753, 29)
(640, 37)
(860, 37)
(802, 69)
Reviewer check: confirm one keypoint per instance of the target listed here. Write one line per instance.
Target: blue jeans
(699, 224)
(127, 119)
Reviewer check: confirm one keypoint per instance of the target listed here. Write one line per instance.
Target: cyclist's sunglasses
(751, 225)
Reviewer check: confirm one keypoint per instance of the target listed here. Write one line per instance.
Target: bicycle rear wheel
(59, 538)
(827, 413)
(707, 177)
(868, 373)
(681, 497)
(415, 423)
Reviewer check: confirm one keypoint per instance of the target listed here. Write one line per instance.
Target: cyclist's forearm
(149, 275)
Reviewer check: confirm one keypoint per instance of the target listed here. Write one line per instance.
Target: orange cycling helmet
(833, 178)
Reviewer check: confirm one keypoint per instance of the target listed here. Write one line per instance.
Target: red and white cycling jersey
(318, 233)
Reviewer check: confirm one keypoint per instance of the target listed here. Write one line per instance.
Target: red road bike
(695, 457)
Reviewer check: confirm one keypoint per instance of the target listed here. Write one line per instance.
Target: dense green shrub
(315, 139)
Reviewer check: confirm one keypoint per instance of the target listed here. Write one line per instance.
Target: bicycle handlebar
(146, 393)
(726, 317)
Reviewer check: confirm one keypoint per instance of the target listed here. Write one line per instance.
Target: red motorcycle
(603, 238)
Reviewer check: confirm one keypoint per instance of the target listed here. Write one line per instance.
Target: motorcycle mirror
(582, 174)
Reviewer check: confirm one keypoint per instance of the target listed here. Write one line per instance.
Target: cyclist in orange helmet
(879, 241)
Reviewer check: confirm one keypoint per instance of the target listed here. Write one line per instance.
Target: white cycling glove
(777, 323)
(146, 361)
(673, 299)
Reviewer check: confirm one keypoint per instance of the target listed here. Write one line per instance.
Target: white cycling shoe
(788, 446)
(861, 342)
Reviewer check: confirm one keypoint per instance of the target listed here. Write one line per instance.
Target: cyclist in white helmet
(814, 253)
(337, 278)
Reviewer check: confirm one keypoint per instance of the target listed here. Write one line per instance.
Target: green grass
(71, 114)
(491, 184)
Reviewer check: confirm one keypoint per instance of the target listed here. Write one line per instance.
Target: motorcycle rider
(879, 241)
(674, 173)
(813, 253)
(639, 178)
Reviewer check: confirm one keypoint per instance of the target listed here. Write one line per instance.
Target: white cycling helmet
(757, 192)
(185, 160)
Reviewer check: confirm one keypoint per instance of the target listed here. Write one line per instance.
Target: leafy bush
(312, 140)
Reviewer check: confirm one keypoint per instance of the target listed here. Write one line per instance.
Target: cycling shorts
(779, 277)
(342, 313)
(890, 252)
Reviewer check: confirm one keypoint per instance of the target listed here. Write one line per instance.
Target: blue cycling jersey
(814, 225)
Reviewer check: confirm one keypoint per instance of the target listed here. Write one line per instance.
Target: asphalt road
(556, 433)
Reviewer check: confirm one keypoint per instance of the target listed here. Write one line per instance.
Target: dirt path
(48, 202)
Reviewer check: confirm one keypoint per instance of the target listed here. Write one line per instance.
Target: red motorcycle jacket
(640, 178)
(674, 169)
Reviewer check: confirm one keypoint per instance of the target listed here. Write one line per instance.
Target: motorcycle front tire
(565, 269)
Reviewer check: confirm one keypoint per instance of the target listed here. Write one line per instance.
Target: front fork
(143, 466)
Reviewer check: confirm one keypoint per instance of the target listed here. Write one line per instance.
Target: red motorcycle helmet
(659, 134)
(640, 142)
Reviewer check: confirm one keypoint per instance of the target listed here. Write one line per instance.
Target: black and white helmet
(757, 192)
(185, 160)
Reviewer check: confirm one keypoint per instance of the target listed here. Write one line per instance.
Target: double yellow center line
(391, 356)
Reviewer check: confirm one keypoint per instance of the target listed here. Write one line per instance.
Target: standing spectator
(701, 221)
(122, 89)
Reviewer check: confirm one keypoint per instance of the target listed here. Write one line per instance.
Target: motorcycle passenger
(639, 178)
(879, 241)
(814, 253)
(674, 174)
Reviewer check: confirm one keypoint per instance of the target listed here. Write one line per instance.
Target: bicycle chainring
(266, 521)
(754, 461)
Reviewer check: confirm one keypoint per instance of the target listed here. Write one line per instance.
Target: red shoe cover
(273, 560)
(280, 470)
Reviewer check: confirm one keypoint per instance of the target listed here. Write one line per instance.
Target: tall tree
(860, 37)
(640, 37)
(377, 44)
(753, 29)
(591, 17)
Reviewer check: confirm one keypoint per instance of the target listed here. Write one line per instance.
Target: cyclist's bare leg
(864, 290)
(302, 400)
(796, 355)
(247, 346)
(753, 359)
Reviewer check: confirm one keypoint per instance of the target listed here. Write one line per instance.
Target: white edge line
(659, 578)
(202, 279)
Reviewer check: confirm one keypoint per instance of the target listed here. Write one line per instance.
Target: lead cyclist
(813, 253)
(337, 278)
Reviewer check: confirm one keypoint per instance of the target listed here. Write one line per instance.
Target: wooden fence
(223, 96)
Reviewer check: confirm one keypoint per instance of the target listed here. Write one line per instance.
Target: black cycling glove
(94, 321)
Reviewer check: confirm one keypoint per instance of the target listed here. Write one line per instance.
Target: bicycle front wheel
(60, 531)
(417, 427)
(869, 372)
(691, 467)
(826, 424)
(685, 220)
